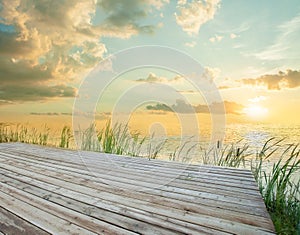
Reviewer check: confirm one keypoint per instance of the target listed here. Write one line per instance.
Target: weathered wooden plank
(12, 224)
(74, 217)
(48, 222)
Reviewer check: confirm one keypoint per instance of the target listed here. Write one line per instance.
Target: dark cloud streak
(19, 93)
(127, 14)
(288, 79)
(50, 114)
(182, 107)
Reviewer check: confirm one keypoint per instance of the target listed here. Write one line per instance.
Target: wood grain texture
(12, 224)
(54, 191)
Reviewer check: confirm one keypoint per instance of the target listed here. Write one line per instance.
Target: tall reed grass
(280, 186)
(115, 139)
(65, 137)
(19, 133)
(183, 152)
(118, 139)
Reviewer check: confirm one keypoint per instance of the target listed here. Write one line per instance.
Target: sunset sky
(249, 49)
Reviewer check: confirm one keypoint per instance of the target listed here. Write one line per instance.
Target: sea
(254, 136)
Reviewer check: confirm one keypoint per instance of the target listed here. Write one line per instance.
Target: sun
(256, 111)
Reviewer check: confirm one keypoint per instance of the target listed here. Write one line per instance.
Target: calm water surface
(254, 135)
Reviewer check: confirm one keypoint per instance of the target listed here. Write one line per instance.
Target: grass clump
(233, 155)
(88, 139)
(279, 184)
(279, 187)
(154, 146)
(117, 139)
(65, 137)
(182, 152)
(19, 133)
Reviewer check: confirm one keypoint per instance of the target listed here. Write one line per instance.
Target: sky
(249, 51)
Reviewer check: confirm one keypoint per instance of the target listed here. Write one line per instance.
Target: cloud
(233, 107)
(182, 107)
(224, 87)
(257, 99)
(286, 45)
(158, 4)
(188, 92)
(211, 73)
(36, 57)
(191, 44)
(179, 107)
(19, 93)
(181, 2)
(47, 114)
(159, 107)
(14, 72)
(230, 108)
(152, 78)
(288, 79)
(239, 45)
(50, 114)
(46, 44)
(233, 36)
(5, 102)
(208, 74)
(123, 16)
(160, 25)
(216, 38)
(192, 15)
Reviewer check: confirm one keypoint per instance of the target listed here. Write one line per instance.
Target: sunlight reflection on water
(254, 135)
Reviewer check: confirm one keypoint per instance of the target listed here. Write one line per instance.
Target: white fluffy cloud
(257, 99)
(216, 38)
(153, 78)
(191, 44)
(281, 80)
(211, 73)
(55, 34)
(53, 43)
(192, 15)
(158, 4)
(233, 36)
(181, 2)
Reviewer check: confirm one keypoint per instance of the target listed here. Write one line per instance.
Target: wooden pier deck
(53, 191)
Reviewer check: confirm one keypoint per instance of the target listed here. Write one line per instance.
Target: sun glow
(256, 111)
